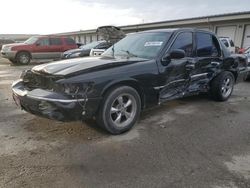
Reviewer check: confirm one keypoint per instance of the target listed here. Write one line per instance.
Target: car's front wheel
(120, 110)
(13, 61)
(222, 86)
(23, 58)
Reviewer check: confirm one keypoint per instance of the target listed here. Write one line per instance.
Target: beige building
(233, 25)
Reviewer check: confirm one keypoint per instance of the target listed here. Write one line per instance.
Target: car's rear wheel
(120, 110)
(23, 58)
(222, 86)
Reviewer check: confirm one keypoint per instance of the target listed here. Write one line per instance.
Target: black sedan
(84, 50)
(141, 70)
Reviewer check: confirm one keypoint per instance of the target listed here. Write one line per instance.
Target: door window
(225, 42)
(69, 41)
(204, 45)
(207, 45)
(43, 42)
(216, 50)
(55, 41)
(184, 41)
(231, 43)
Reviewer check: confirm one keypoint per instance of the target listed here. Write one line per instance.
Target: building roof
(184, 21)
(245, 14)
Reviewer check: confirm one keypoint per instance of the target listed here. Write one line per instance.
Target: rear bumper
(53, 105)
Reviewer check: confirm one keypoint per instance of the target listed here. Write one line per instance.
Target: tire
(120, 109)
(23, 58)
(222, 86)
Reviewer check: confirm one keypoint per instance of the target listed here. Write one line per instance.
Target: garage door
(246, 39)
(226, 31)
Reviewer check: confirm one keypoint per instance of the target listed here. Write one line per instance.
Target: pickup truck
(142, 70)
(40, 47)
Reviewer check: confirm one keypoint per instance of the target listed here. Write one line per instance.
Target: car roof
(173, 30)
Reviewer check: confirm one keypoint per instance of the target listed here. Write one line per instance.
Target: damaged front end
(52, 97)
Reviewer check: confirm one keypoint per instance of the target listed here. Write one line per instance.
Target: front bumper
(8, 54)
(53, 105)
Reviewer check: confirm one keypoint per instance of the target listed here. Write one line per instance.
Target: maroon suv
(41, 47)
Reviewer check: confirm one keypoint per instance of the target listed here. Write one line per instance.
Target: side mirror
(38, 44)
(177, 54)
(174, 54)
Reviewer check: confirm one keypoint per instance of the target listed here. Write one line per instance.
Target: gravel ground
(192, 142)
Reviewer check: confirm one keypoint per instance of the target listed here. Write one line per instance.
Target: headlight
(74, 88)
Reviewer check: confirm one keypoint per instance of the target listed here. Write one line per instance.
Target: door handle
(215, 64)
(190, 66)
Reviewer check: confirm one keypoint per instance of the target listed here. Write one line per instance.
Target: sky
(56, 16)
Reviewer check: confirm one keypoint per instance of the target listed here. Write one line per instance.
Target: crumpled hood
(73, 66)
(13, 44)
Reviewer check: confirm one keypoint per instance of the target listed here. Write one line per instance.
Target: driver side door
(176, 74)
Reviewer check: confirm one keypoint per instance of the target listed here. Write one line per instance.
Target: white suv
(228, 43)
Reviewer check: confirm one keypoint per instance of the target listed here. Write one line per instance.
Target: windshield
(31, 40)
(90, 45)
(142, 45)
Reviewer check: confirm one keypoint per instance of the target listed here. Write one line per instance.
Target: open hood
(111, 34)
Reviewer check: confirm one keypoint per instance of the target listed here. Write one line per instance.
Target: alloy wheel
(123, 110)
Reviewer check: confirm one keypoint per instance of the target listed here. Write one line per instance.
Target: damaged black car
(141, 70)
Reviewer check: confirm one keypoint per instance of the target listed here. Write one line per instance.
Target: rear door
(69, 44)
(56, 47)
(208, 60)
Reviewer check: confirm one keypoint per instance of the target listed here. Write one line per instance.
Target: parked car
(247, 53)
(40, 47)
(109, 34)
(83, 51)
(100, 49)
(141, 70)
(112, 34)
(228, 43)
(5, 41)
(243, 50)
